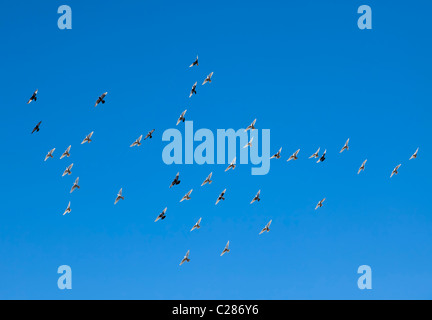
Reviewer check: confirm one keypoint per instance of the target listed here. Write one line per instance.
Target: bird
(249, 144)
(137, 142)
(320, 204)
(68, 170)
(266, 228)
(161, 215)
(232, 165)
(75, 185)
(221, 197)
(176, 180)
(362, 167)
(197, 225)
(149, 134)
(414, 155)
(208, 179)
(119, 196)
(181, 118)
(294, 156)
(87, 138)
(395, 170)
(251, 126)
(345, 147)
(316, 154)
(68, 209)
(256, 198)
(186, 258)
(226, 249)
(36, 128)
(50, 154)
(277, 154)
(195, 63)
(322, 157)
(66, 153)
(186, 196)
(208, 79)
(101, 99)
(193, 90)
(33, 97)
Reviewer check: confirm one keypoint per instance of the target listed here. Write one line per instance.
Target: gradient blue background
(302, 68)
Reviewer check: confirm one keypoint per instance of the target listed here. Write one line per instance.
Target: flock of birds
(176, 181)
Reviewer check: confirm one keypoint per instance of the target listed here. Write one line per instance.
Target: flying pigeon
(266, 228)
(186, 196)
(395, 170)
(119, 196)
(232, 165)
(68, 209)
(75, 185)
(193, 90)
(362, 167)
(251, 126)
(226, 249)
(181, 118)
(137, 142)
(256, 198)
(176, 180)
(221, 197)
(33, 97)
(195, 63)
(50, 154)
(414, 155)
(345, 147)
(37, 127)
(68, 170)
(197, 225)
(66, 153)
(101, 99)
(186, 258)
(322, 157)
(87, 138)
(316, 154)
(149, 135)
(161, 215)
(277, 154)
(249, 144)
(294, 156)
(320, 204)
(208, 179)
(208, 79)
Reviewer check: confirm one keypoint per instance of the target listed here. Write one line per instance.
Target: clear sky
(302, 68)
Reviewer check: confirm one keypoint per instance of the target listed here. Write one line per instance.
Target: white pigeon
(221, 197)
(208, 179)
(232, 165)
(137, 142)
(362, 167)
(119, 196)
(395, 170)
(187, 196)
(186, 258)
(320, 204)
(249, 144)
(277, 154)
(345, 147)
(50, 154)
(251, 126)
(66, 153)
(101, 99)
(208, 79)
(75, 185)
(68, 170)
(414, 155)
(226, 249)
(266, 228)
(182, 117)
(294, 156)
(197, 225)
(161, 215)
(87, 138)
(316, 154)
(68, 209)
(257, 197)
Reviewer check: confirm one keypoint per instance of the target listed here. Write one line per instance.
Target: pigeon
(320, 204)
(208, 179)
(88, 138)
(316, 154)
(33, 97)
(66, 153)
(256, 198)
(345, 147)
(395, 170)
(249, 144)
(119, 196)
(232, 165)
(162, 215)
(221, 197)
(226, 249)
(50, 154)
(414, 155)
(208, 79)
(362, 167)
(181, 118)
(197, 225)
(37, 127)
(176, 180)
(101, 99)
(186, 258)
(149, 134)
(193, 90)
(75, 185)
(195, 63)
(277, 154)
(186, 196)
(294, 156)
(322, 157)
(68, 170)
(251, 126)
(137, 142)
(266, 228)
(68, 209)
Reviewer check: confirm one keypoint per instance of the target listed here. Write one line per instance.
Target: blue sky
(303, 69)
